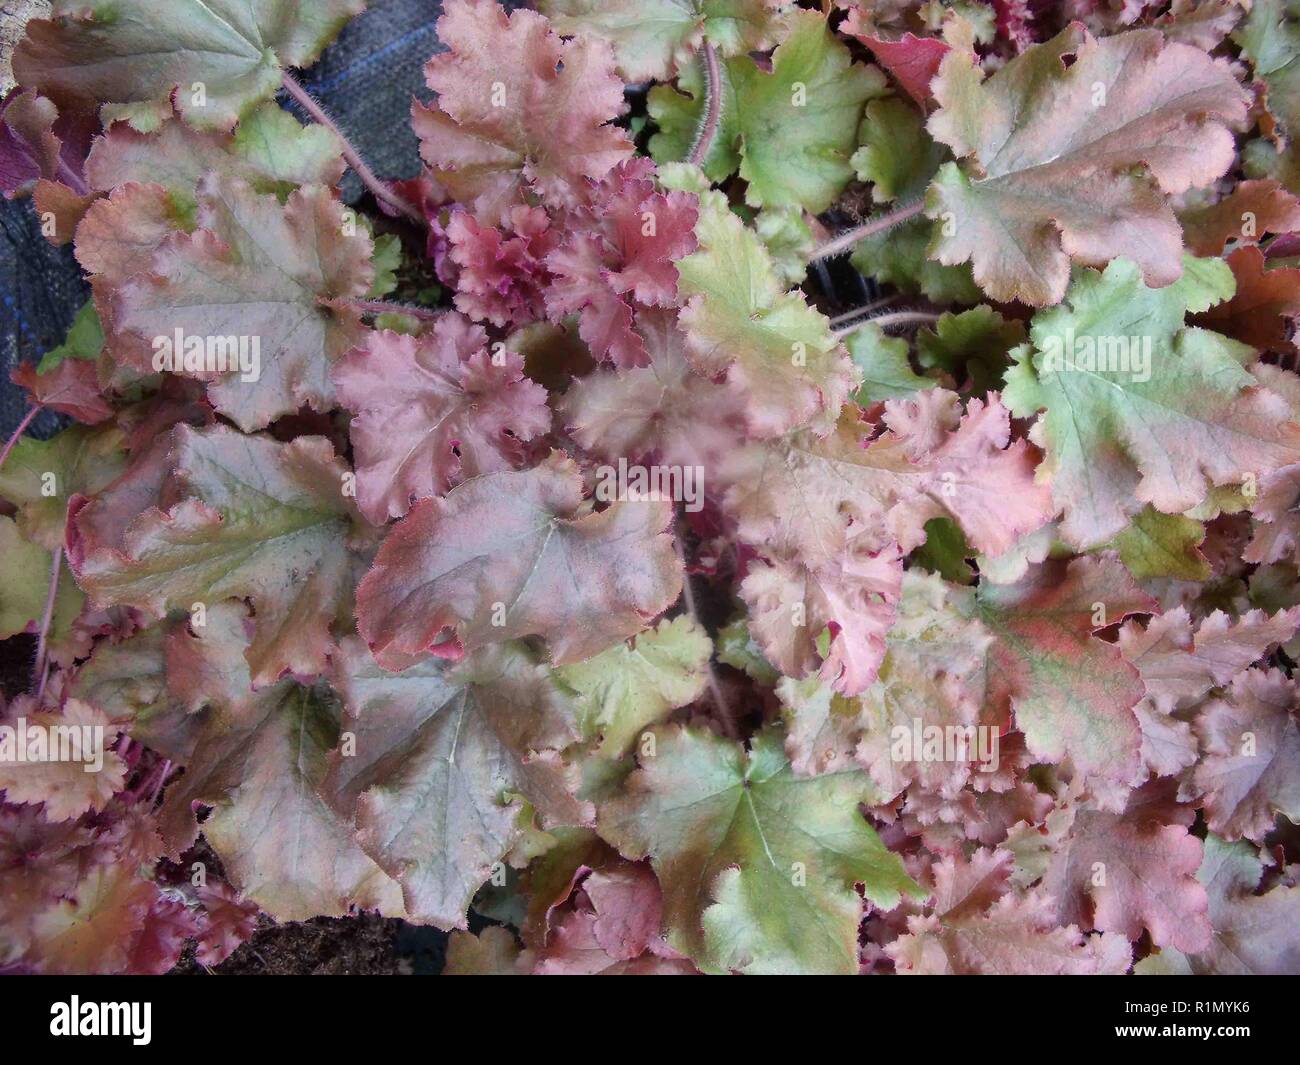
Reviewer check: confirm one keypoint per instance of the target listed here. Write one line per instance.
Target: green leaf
(779, 350)
(1163, 545)
(278, 149)
(945, 551)
(789, 240)
(791, 129)
(41, 476)
(973, 345)
(738, 648)
(387, 260)
(900, 257)
(882, 360)
(25, 584)
(758, 866)
(625, 689)
(897, 156)
(1139, 409)
(85, 340)
(219, 57)
(1270, 39)
(652, 37)
(799, 123)
(901, 158)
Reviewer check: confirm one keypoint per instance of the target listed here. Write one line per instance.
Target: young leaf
(758, 866)
(791, 603)
(1072, 162)
(796, 494)
(652, 38)
(1116, 356)
(622, 258)
(976, 925)
(518, 109)
(1251, 769)
(67, 787)
(739, 318)
(912, 61)
(510, 555)
(626, 689)
(664, 409)
(932, 673)
(430, 412)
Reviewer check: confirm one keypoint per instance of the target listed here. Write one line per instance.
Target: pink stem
(359, 166)
(712, 117)
(383, 307)
(889, 321)
(845, 241)
(22, 427)
(42, 645)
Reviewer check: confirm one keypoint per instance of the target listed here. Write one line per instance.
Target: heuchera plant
(530, 545)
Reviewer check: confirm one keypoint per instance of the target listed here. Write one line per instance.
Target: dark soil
(332, 946)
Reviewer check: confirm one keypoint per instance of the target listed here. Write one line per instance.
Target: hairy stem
(22, 428)
(845, 241)
(359, 166)
(865, 309)
(42, 640)
(711, 118)
(725, 719)
(425, 314)
(889, 321)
